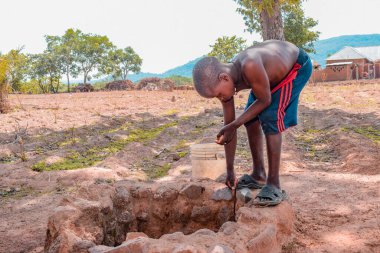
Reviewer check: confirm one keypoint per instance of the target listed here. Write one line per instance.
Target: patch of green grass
(93, 155)
(159, 171)
(171, 112)
(182, 153)
(181, 144)
(368, 132)
(71, 141)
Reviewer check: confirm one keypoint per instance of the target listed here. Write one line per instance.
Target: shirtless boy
(275, 72)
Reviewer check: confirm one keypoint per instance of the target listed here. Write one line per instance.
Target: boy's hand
(231, 181)
(226, 134)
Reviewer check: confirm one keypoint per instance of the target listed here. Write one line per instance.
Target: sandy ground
(330, 165)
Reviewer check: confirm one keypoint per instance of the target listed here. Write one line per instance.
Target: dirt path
(330, 163)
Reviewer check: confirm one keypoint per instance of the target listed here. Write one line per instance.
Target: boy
(275, 72)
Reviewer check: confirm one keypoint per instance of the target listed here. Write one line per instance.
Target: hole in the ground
(164, 209)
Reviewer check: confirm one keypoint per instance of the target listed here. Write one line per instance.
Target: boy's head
(211, 79)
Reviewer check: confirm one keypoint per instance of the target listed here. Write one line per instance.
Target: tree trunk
(4, 103)
(271, 23)
(85, 77)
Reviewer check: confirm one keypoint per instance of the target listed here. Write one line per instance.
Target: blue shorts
(282, 112)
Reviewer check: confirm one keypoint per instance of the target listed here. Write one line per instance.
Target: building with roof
(351, 63)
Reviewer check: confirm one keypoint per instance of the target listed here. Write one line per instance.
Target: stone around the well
(222, 194)
(134, 235)
(220, 248)
(166, 193)
(244, 195)
(192, 191)
(99, 249)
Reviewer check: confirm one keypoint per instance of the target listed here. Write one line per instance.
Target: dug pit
(185, 216)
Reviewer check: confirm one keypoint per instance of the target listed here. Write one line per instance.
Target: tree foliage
(16, 62)
(121, 62)
(225, 48)
(296, 27)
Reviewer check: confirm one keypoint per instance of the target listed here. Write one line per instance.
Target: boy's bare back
(277, 57)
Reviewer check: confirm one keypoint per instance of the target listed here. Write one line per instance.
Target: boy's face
(225, 89)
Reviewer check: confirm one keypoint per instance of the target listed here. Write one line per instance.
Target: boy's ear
(223, 77)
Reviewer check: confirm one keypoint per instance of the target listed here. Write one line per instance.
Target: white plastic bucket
(207, 160)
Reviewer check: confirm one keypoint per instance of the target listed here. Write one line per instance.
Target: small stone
(207, 110)
(192, 191)
(173, 98)
(222, 194)
(245, 195)
(220, 248)
(229, 228)
(134, 235)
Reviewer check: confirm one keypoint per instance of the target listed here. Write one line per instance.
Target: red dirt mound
(83, 88)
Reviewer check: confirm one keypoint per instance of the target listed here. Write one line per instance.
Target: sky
(165, 33)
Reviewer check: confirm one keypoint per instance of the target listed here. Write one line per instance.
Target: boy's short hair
(205, 74)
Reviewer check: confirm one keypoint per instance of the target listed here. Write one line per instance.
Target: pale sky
(165, 33)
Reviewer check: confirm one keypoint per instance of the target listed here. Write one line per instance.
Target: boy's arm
(257, 76)
(230, 147)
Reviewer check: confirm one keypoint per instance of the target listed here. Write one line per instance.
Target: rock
(222, 194)
(135, 246)
(141, 192)
(244, 195)
(99, 249)
(173, 99)
(134, 235)
(229, 228)
(220, 248)
(208, 110)
(201, 213)
(166, 193)
(142, 216)
(265, 242)
(121, 198)
(204, 231)
(185, 249)
(192, 191)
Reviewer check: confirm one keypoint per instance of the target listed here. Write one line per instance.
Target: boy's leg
(256, 143)
(274, 142)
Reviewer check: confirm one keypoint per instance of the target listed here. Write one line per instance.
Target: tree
(225, 48)
(66, 47)
(264, 16)
(120, 62)
(295, 27)
(16, 62)
(91, 52)
(4, 70)
(46, 69)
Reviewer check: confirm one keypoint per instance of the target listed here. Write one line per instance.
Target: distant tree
(91, 52)
(17, 69)
(297, 28)
(4, 70)
(120, 62)
(46, 70)
(66, 46)
(225, 48)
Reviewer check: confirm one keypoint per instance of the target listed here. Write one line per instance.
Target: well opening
(156, 211)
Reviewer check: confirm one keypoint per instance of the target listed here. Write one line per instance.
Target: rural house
(350, 63)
